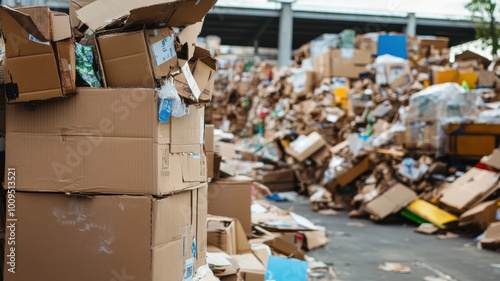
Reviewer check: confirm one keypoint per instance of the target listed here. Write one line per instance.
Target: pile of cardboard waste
(250, 238)
(104, 141)
(380, 124)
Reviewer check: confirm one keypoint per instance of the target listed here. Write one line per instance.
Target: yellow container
(341, 97)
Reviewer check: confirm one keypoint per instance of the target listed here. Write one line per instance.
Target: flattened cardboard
(251, 269)
(480, 216)
(34, 69)
(391, 201)
(492, 237)
(492, 160)
(305, 146)
(75, 5)
(463, 192)
(231, 197)
(95, 233)
(152, 13)
(227, 234)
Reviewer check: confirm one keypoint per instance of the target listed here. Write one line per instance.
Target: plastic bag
(171, 104)
(85, 65)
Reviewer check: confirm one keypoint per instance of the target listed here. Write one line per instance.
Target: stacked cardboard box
(103, 186)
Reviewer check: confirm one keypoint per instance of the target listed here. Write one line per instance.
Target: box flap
(35, 20)
(152, 13)
(61, 27)
(391, 201)
(468, 187)
(187, 39)
(493, 160)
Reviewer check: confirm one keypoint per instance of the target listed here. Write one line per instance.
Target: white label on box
(299, 80)
(189, 270)
(164, 50)
(347, 53)
(34, 39)
(191, 82)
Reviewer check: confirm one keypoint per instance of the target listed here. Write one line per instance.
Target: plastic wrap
(490, 116)
(171, 104)
(85, 65)
(430, 110)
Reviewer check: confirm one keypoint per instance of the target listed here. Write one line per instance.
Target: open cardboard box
(137, 58)
(39, 54)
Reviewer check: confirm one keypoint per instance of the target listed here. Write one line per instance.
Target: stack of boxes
(104, 190)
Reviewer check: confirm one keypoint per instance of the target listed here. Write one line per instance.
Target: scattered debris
(394, 267)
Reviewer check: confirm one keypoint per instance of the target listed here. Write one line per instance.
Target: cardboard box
(367, 43)
(322, 67)
(251, 269)
(472, 140)
(305, 146)
(492, 237)
(103, 13)
(119, 113)
(196, 80)
(231, 197)
(279, 180)
(75, 5)
(349, 62)
(359, 168)
(209, 138)
(227, 234)
(468, 190)
(39, 54)
(391, 201)
(109, 237)
(105, 140)
(486, 79)
(213, 165)
(137, 58)
(480, 216)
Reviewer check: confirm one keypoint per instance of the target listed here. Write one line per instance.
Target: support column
(256, 47)
(411, 26)
(285, 34)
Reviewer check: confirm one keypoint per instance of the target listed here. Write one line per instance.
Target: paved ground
(357, 251)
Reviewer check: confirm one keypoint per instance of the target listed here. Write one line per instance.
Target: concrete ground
(357, 247)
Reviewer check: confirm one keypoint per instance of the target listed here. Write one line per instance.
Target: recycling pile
(380, 124)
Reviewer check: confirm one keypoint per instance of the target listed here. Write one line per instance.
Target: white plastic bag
(171, 104)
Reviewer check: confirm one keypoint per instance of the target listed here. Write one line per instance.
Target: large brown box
(39, 54)
(231, 197)
(109, 237)
(105, 141)
(472, 140)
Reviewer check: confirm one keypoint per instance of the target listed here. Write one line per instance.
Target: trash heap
(382, 125)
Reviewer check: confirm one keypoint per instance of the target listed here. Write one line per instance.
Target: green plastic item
(85, 65)
(411, 216)
(465, 85)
